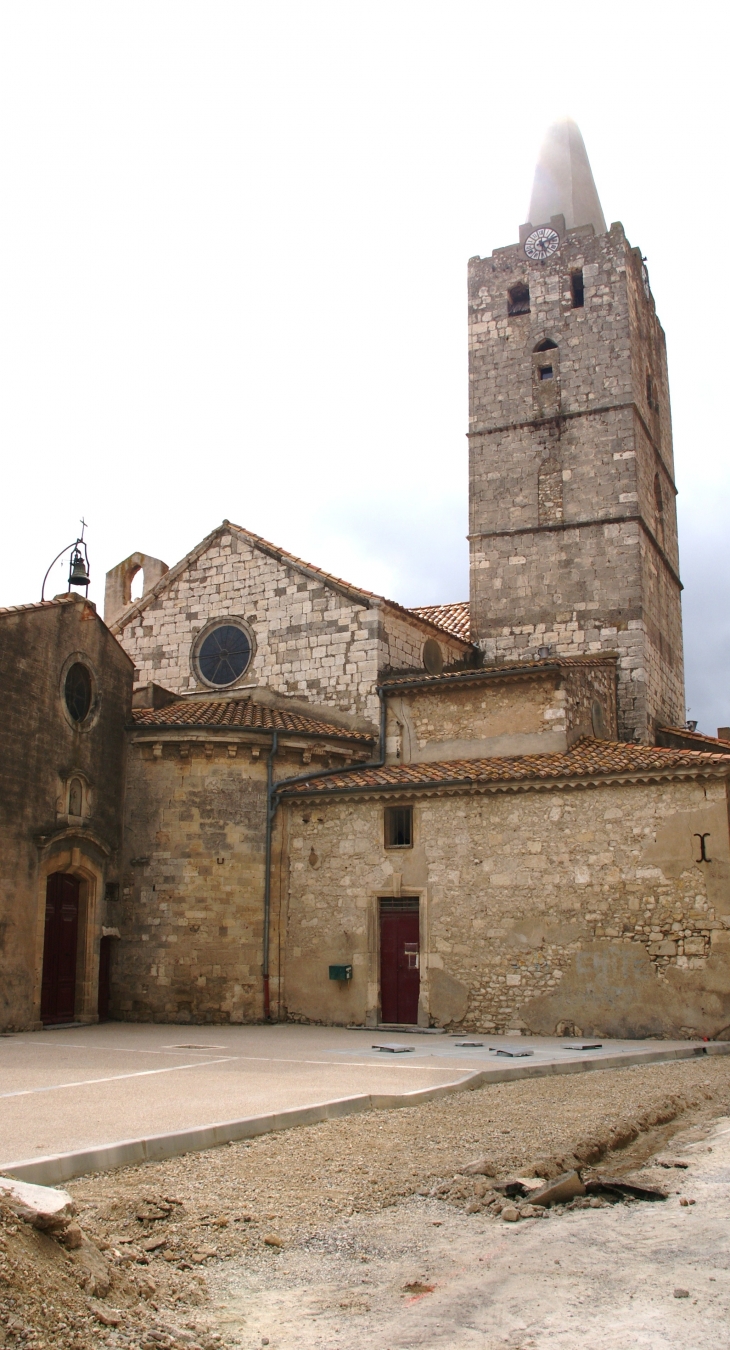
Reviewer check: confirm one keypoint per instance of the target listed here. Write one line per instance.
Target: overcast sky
(234, 240)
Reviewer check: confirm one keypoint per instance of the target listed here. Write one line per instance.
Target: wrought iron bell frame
(78, 562)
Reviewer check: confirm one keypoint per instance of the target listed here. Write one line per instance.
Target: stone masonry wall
(190, 912)
(541, 712)
(577, 910)
(311, 642)
(42, 751)
(586, 684)
(478, 712)
(403, 641)
(602, 423)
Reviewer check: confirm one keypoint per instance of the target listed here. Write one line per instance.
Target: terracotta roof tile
(217, 714)
(454, 619)
(588, 758)
(479, 673)
(71, 598)
(698, 736)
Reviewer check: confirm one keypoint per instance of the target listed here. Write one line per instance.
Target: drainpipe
(270, 811)
(273, 792)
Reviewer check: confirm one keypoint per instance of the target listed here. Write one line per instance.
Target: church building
(275, 795)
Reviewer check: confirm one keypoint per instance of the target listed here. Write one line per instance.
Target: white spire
(564, 183)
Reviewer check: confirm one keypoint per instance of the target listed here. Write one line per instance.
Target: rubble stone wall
(494, 717)
(585, 685)
(582, 910)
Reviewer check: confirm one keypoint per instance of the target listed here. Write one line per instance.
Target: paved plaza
(76, 1088)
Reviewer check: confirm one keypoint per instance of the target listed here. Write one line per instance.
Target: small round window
(223, 655)
(433, 657)
(77, 691)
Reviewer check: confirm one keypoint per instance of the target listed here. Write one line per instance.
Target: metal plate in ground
(512, 1054)
(396, 1049)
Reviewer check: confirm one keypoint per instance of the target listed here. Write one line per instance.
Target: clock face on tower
(541, 243)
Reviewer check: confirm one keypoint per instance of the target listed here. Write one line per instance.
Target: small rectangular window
(577, 293)
(518, 300)
(546, 372)
(399, 827)
(111, 890)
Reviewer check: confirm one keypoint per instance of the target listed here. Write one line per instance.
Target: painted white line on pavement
(114, 1078)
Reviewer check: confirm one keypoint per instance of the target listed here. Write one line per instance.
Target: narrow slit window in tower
(518, 299)
(577, 292)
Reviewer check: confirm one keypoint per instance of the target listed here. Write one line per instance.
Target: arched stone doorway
(60, 947)
(74, 872)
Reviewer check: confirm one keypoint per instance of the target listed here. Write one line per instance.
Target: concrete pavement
(79, 1089)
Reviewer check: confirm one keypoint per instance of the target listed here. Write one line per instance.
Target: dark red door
(105, 972)
(399, 959)
(58, 988)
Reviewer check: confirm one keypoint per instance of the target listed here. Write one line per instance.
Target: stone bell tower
(573, 529)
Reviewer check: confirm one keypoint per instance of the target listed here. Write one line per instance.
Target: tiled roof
(588, 758)
(697, 736)
(479, 673)
(356, 593)
(219, 714)
(455, 619)
(71, 598)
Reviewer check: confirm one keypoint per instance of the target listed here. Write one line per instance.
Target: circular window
(77, 691)
(433, 657)
(223, 655)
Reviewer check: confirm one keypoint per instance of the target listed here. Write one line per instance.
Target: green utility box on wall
(340, 972)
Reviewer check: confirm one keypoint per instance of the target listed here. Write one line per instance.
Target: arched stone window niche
(75, 797)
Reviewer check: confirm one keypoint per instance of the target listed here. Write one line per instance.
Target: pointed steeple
(563, 184)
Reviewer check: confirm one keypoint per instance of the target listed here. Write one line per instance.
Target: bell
(78, 576)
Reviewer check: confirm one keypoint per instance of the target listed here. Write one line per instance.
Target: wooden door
(105, 971)
(58, 987)
(400, 977)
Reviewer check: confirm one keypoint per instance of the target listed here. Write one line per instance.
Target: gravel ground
(649, 1276)
(165, 1235)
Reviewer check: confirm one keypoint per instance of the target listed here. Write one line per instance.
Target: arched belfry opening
(137, 586)
(129, 581)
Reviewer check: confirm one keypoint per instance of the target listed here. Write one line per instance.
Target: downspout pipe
(273, 796)
(270, 810)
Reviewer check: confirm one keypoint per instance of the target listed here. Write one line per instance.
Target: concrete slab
(69, 1096)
